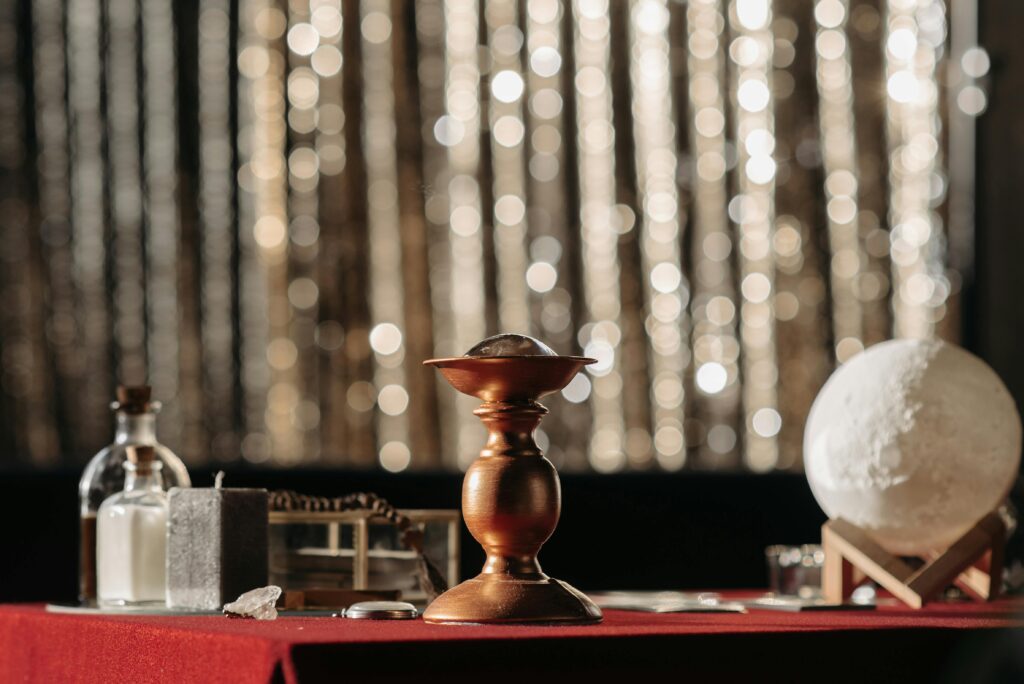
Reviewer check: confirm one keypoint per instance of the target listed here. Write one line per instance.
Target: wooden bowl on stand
(511, 498)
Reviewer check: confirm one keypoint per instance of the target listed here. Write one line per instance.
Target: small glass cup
(795, 570)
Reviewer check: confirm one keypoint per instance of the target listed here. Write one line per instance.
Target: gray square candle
(216, 545)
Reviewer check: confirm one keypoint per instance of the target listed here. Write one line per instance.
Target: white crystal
(260, 604)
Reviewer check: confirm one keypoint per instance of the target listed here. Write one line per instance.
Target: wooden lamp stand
(511, 497)
(974, 563)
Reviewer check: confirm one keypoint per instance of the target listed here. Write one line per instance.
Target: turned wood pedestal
(511, 499)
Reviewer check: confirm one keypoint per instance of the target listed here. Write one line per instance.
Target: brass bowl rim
(585, 360)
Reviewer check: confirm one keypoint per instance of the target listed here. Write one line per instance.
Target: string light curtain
(274, 211)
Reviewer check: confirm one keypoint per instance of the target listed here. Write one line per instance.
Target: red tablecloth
(36, 646)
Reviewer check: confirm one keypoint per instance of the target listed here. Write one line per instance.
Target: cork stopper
(133, 398)
(142, 457)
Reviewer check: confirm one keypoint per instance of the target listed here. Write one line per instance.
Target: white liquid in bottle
(131, 537)
(132, 554)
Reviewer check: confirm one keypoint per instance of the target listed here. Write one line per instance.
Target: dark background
(994, 317)
(639, 530)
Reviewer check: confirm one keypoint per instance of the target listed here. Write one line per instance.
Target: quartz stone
(509, 344)
(259, 604)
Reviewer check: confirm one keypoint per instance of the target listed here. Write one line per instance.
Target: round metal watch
(381, 610)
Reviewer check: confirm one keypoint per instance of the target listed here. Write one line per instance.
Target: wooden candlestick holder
(511, 498)
(974, 563)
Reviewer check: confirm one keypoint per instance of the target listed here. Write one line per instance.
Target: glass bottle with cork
(131, 536)
(135, 414)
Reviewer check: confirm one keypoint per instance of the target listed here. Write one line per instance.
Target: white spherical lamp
(913, 441)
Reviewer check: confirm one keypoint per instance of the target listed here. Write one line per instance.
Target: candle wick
(218, 479)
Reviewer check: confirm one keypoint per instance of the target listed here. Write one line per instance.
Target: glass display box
(359, 550)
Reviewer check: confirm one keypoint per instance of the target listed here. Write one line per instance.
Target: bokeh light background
(274, 211)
